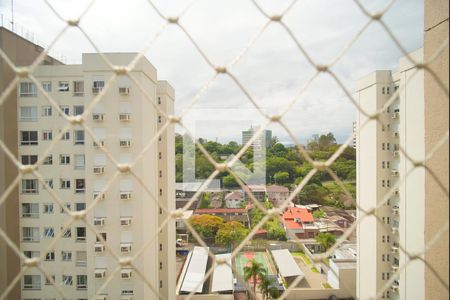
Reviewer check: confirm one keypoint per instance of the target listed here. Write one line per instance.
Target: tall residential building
(354, 135)
(20, 52)
(80, 171)
(263, 140)
(380, 166)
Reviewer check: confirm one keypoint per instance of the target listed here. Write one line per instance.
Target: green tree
(229, 182)
(255, 271)
(267, 288)
(206, 225)
(313, 193)
(205, 202)
(281, 177)
(319, 214)
(326, 240)
(231, 233)
(274, 230)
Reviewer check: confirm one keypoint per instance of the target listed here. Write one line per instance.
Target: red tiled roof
(298, 213)
(292, 224)
(261, 231)
(234, 195)
(220, 210)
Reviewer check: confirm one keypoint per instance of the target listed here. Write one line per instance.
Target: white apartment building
(382, 167)
(126, 214)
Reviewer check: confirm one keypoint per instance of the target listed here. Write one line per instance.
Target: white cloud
(273, 70)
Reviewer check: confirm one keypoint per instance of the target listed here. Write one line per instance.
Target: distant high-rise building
(20, 52)
(79, 170)
(354, 135)
(263, 140)
(380, 166)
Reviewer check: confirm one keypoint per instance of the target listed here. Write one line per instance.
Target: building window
(388, 146)
(80, 234)
(67, 233)
(80, 186)
(97, 86)
(103, 235)
(159, 100)
(48, 208)
(66, 256)
(80, 206)
(388, 239)
(49, 232)
(67, 206)
(63, 86)
(48, 281)
(78, 110)
(160, 173)
(64, 184)
(81, 282)
(67, 280)
(383, 146)
(160, 265)
(30, 186)
(28, 138)
(383, 165)
(47, 86)
(65, 136)
(27, 89)
(28, 113)
(31, 282)
(31, 254)
(160, 192)
(78, 88)
(30, 234)
(388, 90)
(388, 257)
(47, 111)
(79, 137)
(388, 165)
(160, 284)
(30, 210)
(48, 160)
(388, 183)
(160, 155)
(49, 183)
(159, 119)
(79, 161)
(29, 159)
(382, 276)
(81, 258)
(383, 183)
(64, 159)
(388, 220)
(47, 135)
(160, 247)
(65, 110)
(383, 90)
(382, 257)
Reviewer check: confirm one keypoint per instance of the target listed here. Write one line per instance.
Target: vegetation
(274, 229)
(231, 234)
(303, 256)
(326, 240)
(255, 271)
(284, 166)
(326, 285)
(206, 225)
(267, 288)
(319, 214)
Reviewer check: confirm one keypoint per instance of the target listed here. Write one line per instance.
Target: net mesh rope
(172, 120)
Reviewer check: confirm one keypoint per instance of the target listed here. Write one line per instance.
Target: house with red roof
(277, 194)
(299, 223)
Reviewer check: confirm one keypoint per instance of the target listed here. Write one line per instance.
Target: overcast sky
(273, 70)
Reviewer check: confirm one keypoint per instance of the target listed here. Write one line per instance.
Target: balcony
(124, 90)
(396, 153)
(125, 247)
(395, 173)
(395, 248)
(99, 144)
(124, 117)
(98, 170)
(125, 195)
(99, 248)
(98, 195)
(395, 267)
(99, 273)
(394, 230)
(33, 215)
(395, 286)
(99, 222)
(125, 221)
(125, 143)
(97, 90)
(395, 115)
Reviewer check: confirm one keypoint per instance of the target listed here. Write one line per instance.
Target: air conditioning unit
(125, 248)
(99, 195)
(125, 195)
(99, 248)
(98, 117)
(124, 117)
(99, 144)
(99, 274)
(125, 274)
(99, 221)
(99, 170)
(124, 90)
(125, 143)
(125, 221)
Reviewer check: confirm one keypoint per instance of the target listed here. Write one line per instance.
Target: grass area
(303, 256)
(326, 285)
(314, 269)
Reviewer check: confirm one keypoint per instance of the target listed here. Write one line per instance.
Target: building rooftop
(277, 189)
(302, 214)
(286, 263)
(222, 279)
(235, 196)
(220, 211)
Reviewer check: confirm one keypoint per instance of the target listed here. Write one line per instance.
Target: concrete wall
(436, 125)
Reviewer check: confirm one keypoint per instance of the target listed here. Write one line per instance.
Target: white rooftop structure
(222, 280)
(196, 270)
(286, 263)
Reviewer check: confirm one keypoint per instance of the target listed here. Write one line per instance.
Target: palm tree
(254, 270)
(266, 288)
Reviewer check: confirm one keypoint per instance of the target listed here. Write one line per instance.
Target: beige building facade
(123, 204)
(382, 169)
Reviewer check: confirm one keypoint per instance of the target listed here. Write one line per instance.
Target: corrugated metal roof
(195, 271)
(222, 280)
(286, 263)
